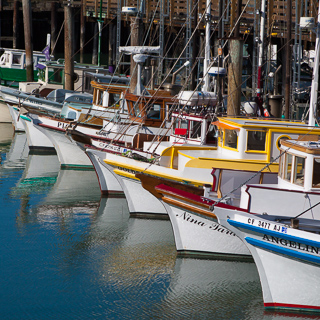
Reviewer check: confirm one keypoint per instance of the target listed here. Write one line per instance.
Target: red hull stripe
(193, 197)
(290, 306)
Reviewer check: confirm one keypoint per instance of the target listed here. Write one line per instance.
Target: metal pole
(315, 79)
(260, 52)
(288, 61)
(207, 47)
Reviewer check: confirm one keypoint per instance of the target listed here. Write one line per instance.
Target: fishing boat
(116, 115)
(287, 257)
(280, 226)
(245, 146)
(12, 66)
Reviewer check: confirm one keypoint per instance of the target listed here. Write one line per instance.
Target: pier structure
(102, 26)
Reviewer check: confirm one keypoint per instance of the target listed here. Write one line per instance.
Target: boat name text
(213, 226)
(291, 244)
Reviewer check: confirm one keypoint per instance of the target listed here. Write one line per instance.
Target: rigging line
(238, 21)
(258, 172)
(54, 46)
(176, 63)
(306, 210)
(147, 105)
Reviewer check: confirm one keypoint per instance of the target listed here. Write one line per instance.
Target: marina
(176, 175)
(69, 253)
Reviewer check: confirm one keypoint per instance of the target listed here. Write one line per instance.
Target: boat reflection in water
(6, 134)
(18, 153)
(41, 171)
(213, 286)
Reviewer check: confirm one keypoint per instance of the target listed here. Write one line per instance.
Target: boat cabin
(16, 59)
(153, 110)
(193, 128)
(298, 184)
(257, 139)
(13, 66)
(300, 165)
(108, 95)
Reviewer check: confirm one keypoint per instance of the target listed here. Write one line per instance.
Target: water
(66, 253)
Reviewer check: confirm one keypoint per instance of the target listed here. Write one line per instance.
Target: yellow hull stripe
(128, 170)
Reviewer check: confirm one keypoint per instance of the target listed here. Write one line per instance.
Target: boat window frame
(190, 131)
(224, 139)
(317, 185)
(294, 171)
(285, 168)
(152, 108)
(265, 141)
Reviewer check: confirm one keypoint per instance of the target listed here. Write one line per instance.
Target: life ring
(3, 59)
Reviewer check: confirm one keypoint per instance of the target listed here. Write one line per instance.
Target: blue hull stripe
(284, 251)
(273, 233)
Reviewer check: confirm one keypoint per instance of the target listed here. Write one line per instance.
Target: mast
(260, 51)
(315, 77)
(207, 47)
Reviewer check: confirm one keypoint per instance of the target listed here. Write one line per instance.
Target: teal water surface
(67, 253)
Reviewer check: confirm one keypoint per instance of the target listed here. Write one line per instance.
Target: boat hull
(201, 236)
(109, 185)
(287, 259)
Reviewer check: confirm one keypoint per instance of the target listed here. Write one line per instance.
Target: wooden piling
(15, 24)
(82, 31)
(28, 41)
(234, 76)
(53, 26)
(68, 48)
(95, 43)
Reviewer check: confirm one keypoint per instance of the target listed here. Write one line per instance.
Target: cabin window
(298, 172)
(195, 129)
(230, 138)
(256, 140)
(136, 109)
(180, 126)
(211, 136)
(16, 59)
(288, 167)
(114, 99)
(154, 111)
(97, 97)
(316, 173)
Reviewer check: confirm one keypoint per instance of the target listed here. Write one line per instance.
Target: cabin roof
(310, 147)
(265, 123)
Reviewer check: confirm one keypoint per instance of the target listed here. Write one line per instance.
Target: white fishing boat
(245, 146)
(287, 257)
(52, 102)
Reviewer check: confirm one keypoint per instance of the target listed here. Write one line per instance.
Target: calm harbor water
(67, 253)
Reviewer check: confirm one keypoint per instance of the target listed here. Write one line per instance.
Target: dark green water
(66, 253)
